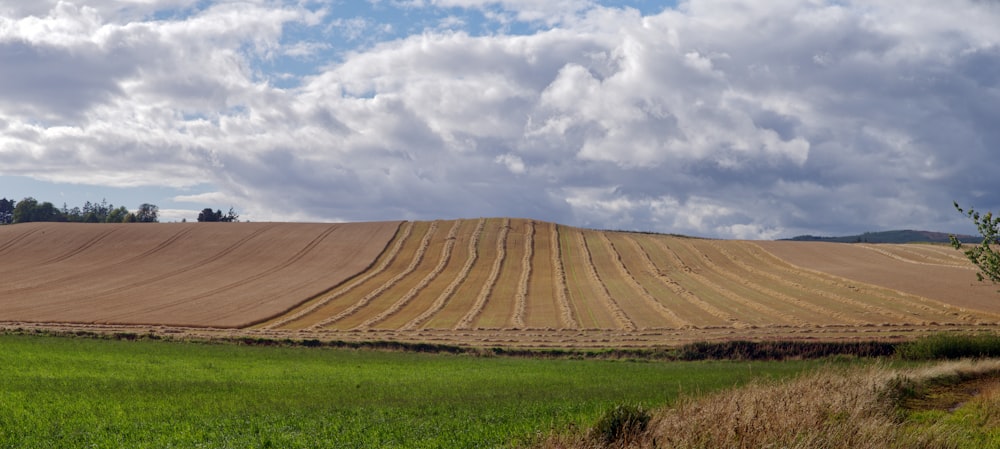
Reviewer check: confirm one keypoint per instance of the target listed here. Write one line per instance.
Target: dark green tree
(147, 213)
(7, 211)
(24, 211)
(207, 215)
(48, 212)
(985, 254)
(117, 215)
(29, 210)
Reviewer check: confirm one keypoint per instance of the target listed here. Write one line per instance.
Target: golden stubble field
(484, 282)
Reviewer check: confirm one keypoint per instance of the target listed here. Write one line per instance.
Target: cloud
(550, 12)
(717, 118)
(135, 103)
(513, 162)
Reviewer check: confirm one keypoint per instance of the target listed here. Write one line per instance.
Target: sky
(714, 118)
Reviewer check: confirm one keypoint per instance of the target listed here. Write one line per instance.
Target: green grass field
(59, 392)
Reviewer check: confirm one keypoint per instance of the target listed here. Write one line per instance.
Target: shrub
(945, 346)
(781, 350)
(624, 422)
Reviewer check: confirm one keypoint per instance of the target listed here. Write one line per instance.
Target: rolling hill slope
(188, 274)
(479, 281)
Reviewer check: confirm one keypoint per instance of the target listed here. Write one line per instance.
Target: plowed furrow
(200, 264)
(413, 292)
(312, 244)
(909, 260)
(668, 316)
(18, 238)
(98, 269)
(463, 274)
(491, 280)
(405, 231)
(582, 292)
(810, 292)
(895, 299)
(566, 319)
(160, 247)
(679, 290)
(541, 308)
(761, 308)
(819, 314)
(81, 248)
(500, 305)
(465, 294)
(724, 302)
(417, 258)
(521, 298)
(793, 278)
(947, 253)
(926, 254)
(292, 260)
(603, 294)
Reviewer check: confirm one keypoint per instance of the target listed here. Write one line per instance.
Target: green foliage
(207, 215)
(7, 211)
(970, 425)
(117, 215)
(147, 213)
(984, 255)
(623, 423)
(31, 210)
(142, 393)
(947, 346)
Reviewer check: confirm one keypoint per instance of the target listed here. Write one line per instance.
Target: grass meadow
(59, 392)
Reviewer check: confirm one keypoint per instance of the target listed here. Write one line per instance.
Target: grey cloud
(53, 82)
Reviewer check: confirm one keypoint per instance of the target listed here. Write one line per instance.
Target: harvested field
(483, 282)
(921, 271)
(188, 274)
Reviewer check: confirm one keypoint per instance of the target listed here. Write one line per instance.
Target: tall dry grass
(836, 408)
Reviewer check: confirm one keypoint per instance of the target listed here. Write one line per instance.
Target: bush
(781, 350)
(944, 346)
(624, 422)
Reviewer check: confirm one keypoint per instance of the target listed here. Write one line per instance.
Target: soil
(567, 287)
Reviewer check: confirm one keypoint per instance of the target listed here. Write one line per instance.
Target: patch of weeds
(902, 391)
(623, 423)
(945, 346)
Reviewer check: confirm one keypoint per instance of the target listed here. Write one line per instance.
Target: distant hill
(903, 236)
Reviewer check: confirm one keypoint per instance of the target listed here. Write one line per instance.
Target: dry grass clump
(835, 408)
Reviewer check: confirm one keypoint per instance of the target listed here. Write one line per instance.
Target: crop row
(522, 274)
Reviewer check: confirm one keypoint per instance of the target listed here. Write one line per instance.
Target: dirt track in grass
(481, 282)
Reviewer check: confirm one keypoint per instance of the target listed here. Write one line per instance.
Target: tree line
(31, 210)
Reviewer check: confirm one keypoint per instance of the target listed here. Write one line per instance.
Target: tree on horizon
(208, 215)
(7, 211)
